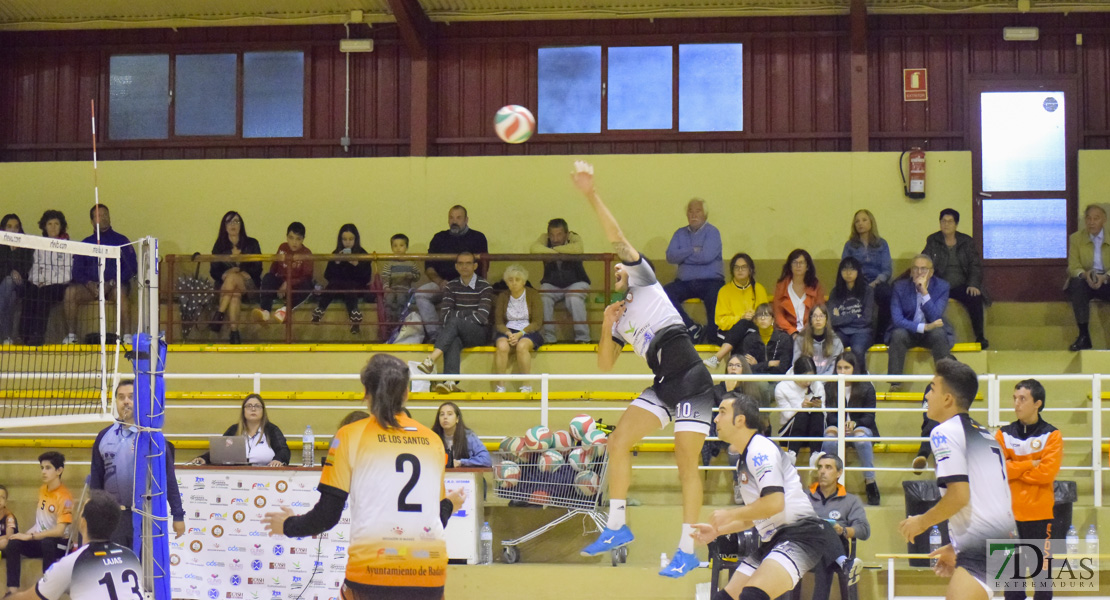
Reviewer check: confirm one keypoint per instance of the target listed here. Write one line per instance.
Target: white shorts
(795, 561)
(692, 415)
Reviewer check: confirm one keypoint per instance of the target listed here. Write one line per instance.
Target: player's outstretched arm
(583, 178)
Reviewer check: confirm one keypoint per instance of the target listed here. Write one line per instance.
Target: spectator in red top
(298, 272)
(796, 292)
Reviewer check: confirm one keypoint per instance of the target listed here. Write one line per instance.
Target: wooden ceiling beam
(414, 26)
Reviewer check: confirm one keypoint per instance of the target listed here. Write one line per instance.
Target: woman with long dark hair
(871, 250)
(347, 279)
(818, 341)
(793, 395)
(391, 467)
(234, 278)
(797, 292)
(464, 449)
(860, 425)
(852, 307)
(266, 445)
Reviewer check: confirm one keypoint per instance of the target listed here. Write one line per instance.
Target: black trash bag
(920, 497)
(1066, 496)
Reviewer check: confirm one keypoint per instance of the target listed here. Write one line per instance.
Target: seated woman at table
(464, 449)
(266, 446)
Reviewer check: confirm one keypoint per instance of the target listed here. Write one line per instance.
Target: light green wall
(1094, 179)
(765, 204)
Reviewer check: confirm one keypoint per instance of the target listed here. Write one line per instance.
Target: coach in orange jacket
(1034, 450)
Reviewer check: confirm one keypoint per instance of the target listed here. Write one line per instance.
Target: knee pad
(753, 593)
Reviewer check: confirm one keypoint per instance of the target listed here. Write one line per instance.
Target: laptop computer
(227, 450)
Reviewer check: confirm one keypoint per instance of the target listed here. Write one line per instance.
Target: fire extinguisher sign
(915, 85)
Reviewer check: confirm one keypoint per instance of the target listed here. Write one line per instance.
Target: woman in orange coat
(797, 292)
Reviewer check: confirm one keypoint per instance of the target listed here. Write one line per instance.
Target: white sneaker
(500, 389)
(260, 315)
(70, 339)
(525, 389)
(9, 342)
(813, 458)
(279, 315)
(792, 457)
(712, 362)
(127, 339)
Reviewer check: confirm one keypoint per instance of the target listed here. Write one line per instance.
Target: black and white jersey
(967, 452)
(764, 469)
(98, 571)
(647, 309)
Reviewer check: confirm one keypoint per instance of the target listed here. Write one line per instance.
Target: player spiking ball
(682, 390)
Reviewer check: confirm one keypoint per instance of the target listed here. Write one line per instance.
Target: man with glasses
(463, 318)
(917, 308)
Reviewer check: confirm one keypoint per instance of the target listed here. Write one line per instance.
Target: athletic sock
(616, 514)
(685, 542)
(753, 593)
(1084, 330)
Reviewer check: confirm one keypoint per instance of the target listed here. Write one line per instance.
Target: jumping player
(793, 539)
(681, 392)
(971, 474)
(392, 468)
(99, 570)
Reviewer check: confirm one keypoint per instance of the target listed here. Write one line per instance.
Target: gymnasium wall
(765, 204)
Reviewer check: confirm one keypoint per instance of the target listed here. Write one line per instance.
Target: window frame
(172, 138)
(633, 135)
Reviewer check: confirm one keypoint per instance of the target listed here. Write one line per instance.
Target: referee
(392, 469)
(99, 570)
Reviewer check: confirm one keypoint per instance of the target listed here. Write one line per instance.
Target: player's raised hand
(583, 177)
(704, 533)
(614, 311)
(274, 522)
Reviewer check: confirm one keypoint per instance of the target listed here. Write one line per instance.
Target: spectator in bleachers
(736, 365)
(956, 261)
(696, 250)
(865, 245)
(860, 404)
(927, 425)
(796, 292)
(286, 274)
(764, 347)
(818, 341)
(1088, 262)
(233, 278)
(347, 280)
(463, 447)
(50, 274)
(564, 280)
(833, 503)
(1034, 450)
(852, 306)
(46, 539)
(15, 266)
(917, 314)
(464, 314)
(9, 525)
(398, 277)
(84, 286)
(266, 445)
(736, 301)
(793, 395)
(458, 237)
(113, 467)
(517, 319)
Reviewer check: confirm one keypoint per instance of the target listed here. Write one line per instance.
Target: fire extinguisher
(916, 187)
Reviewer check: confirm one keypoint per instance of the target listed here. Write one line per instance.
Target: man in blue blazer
(917, 309)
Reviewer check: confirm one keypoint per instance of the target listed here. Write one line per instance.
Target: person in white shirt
(682, 390)
(795, 395)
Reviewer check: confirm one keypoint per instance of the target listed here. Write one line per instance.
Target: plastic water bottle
(1071, 540)
(935, 541)
(486, 557)
(1091, 543)
(308, 450)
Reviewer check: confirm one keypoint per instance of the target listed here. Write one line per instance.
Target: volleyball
(507, 474)
(581, 424)
(541, 497)
(514, 124)
(563, 440)
(550, 461)
(587, 483)
(579, 458)
(539, 438)
(597, 441)
(514, 445)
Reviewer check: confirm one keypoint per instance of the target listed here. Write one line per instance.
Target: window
(211, 95)
(638, 88)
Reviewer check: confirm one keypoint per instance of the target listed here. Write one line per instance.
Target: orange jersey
(1031, 487)
(54, 507)
(395, 481)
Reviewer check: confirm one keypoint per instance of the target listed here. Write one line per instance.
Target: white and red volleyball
(514, 124)
(597, 440)
(580, 457)
(507, 474)
(587, 483)
(550, 461)
(514, 445)
(541, 497)
(563, 440)
(539, 438)
(580, 425)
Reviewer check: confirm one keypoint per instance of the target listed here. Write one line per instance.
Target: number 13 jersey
(967, 452)
(98, 571)
(395, 481)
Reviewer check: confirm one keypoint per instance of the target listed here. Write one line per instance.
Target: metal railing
(181, 265)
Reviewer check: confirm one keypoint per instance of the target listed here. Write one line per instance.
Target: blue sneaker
(681, 564)
(609, 540)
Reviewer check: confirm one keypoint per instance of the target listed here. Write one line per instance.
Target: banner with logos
(227, 555)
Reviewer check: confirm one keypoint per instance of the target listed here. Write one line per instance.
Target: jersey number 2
(402, 505)
(129, 576)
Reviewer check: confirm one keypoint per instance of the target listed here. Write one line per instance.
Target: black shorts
(975, 563)
(810, 543)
